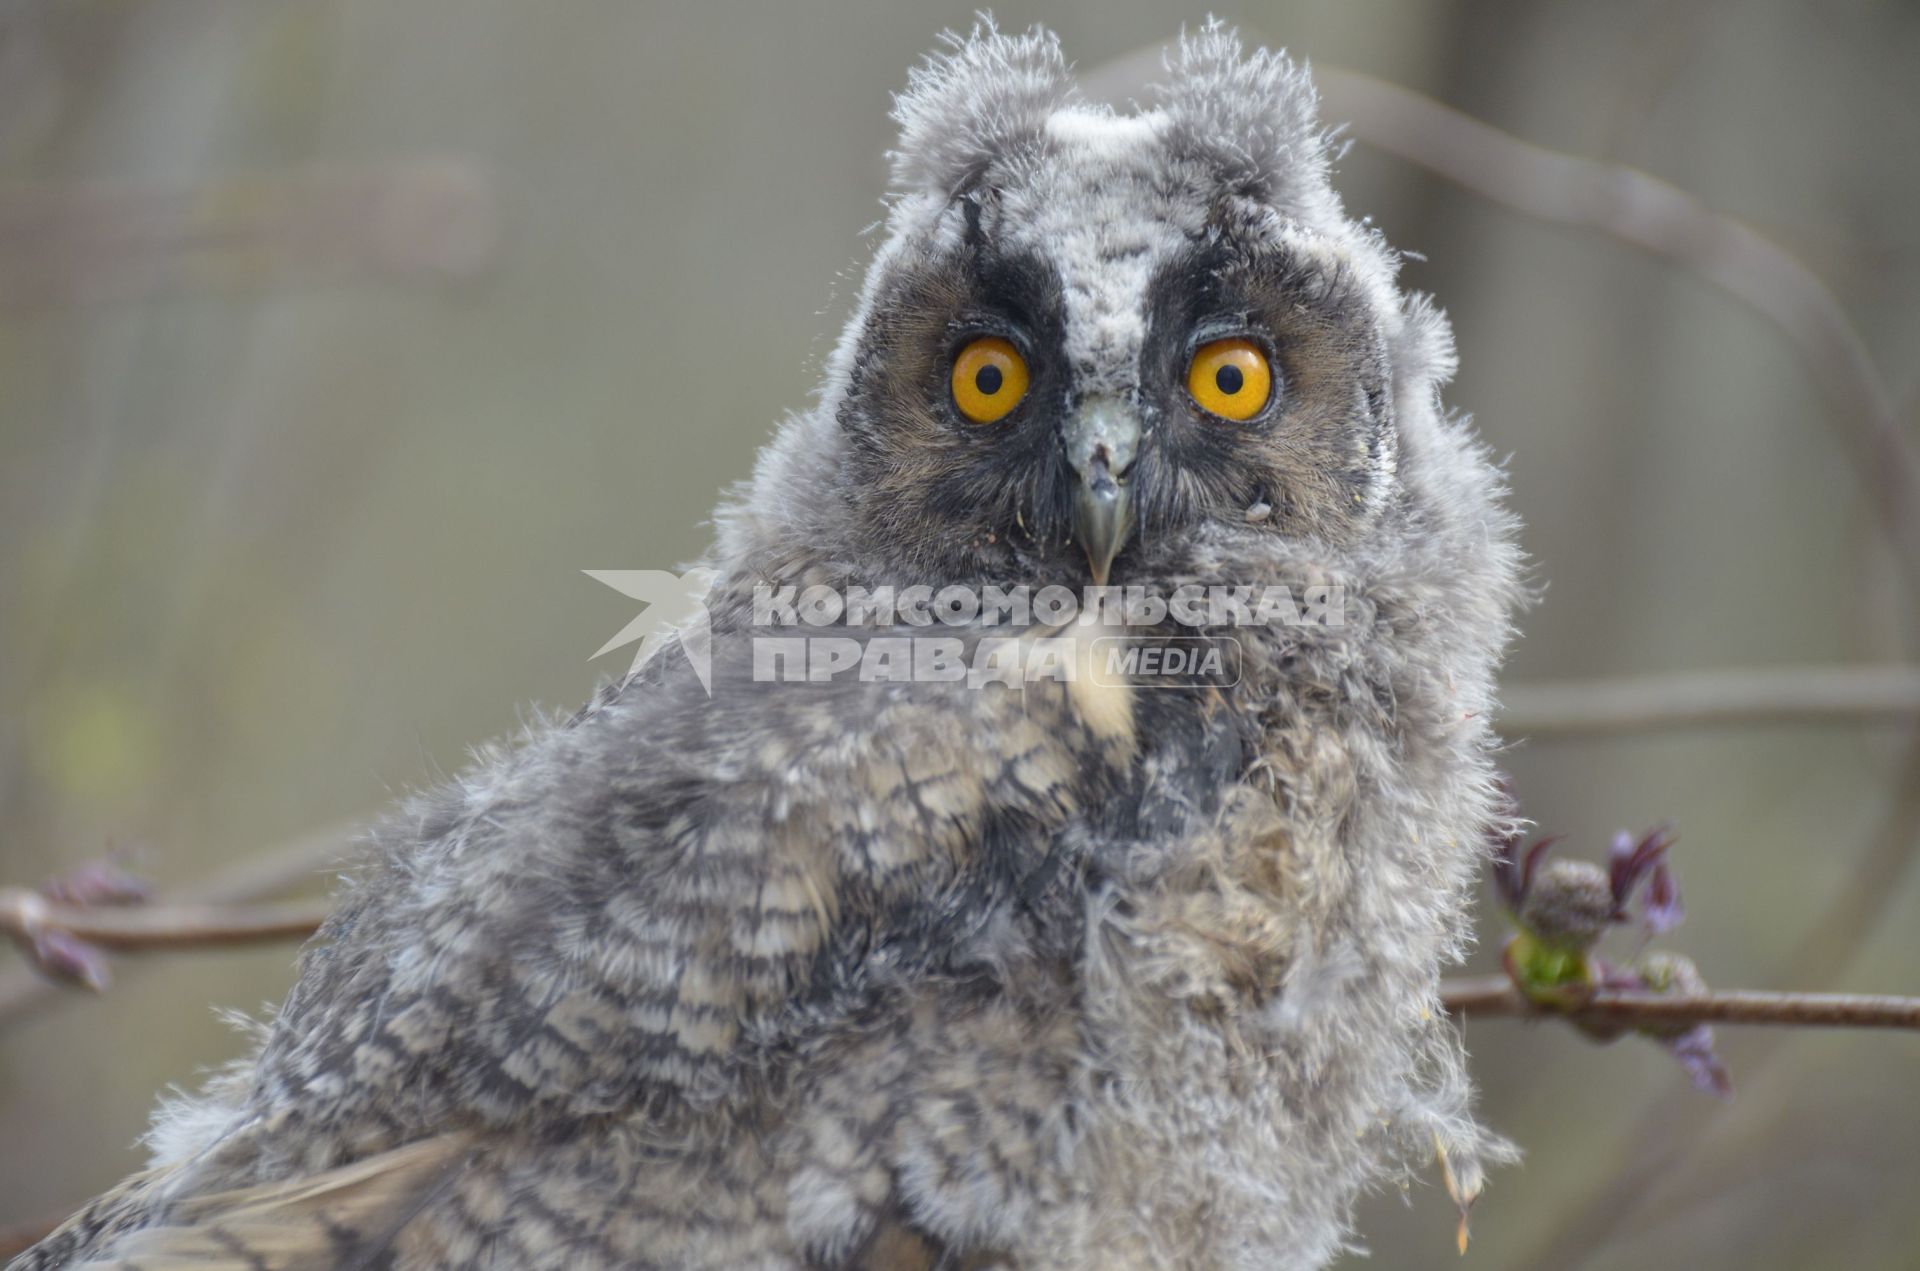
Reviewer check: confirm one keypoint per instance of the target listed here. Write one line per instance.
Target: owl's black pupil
(1229, 379)
(987, 380)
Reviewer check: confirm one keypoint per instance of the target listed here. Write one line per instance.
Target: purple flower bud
(1662, 910)
(1632, 862)
(97, 883)
(67, 957)
(1694, 1050)
(1513, 871)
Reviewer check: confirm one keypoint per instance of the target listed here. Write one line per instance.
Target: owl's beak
(1102, 440)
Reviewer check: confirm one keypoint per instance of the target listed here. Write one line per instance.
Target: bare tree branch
(148, 928)
(144, 928)
(1496, 996)
(1637, 208)
(1648, 703)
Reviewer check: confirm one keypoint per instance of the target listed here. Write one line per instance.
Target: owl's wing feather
(601, 917)
(601, 921)
(341, 1218)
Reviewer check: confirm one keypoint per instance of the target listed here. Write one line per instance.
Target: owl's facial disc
(1102, 439)
(1069, 375)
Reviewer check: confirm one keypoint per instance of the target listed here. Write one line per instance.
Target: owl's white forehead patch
(1100, 212)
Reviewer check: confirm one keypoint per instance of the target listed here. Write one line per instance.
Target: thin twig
(1666, 1131)
(1868, 890)
(1496, 995)
(1648, 703)
(293, 864)
(144, 928)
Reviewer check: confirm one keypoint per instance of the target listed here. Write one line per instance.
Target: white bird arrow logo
(675, 607)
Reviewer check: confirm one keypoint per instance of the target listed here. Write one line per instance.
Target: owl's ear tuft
(983, 97)
(1253, 119)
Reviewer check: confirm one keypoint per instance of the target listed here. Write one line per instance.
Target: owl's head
(1091, 335)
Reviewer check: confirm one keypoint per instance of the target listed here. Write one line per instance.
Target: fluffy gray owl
(1092, 970)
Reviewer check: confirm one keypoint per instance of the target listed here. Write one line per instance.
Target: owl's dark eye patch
(951, 397)
(1265, 362)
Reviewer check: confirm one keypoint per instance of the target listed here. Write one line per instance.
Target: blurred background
(337, 338)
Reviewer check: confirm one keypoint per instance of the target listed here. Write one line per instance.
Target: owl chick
(760, 969)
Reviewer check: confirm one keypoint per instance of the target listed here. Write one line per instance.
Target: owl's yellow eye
(1230, 378)
(989, 379)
